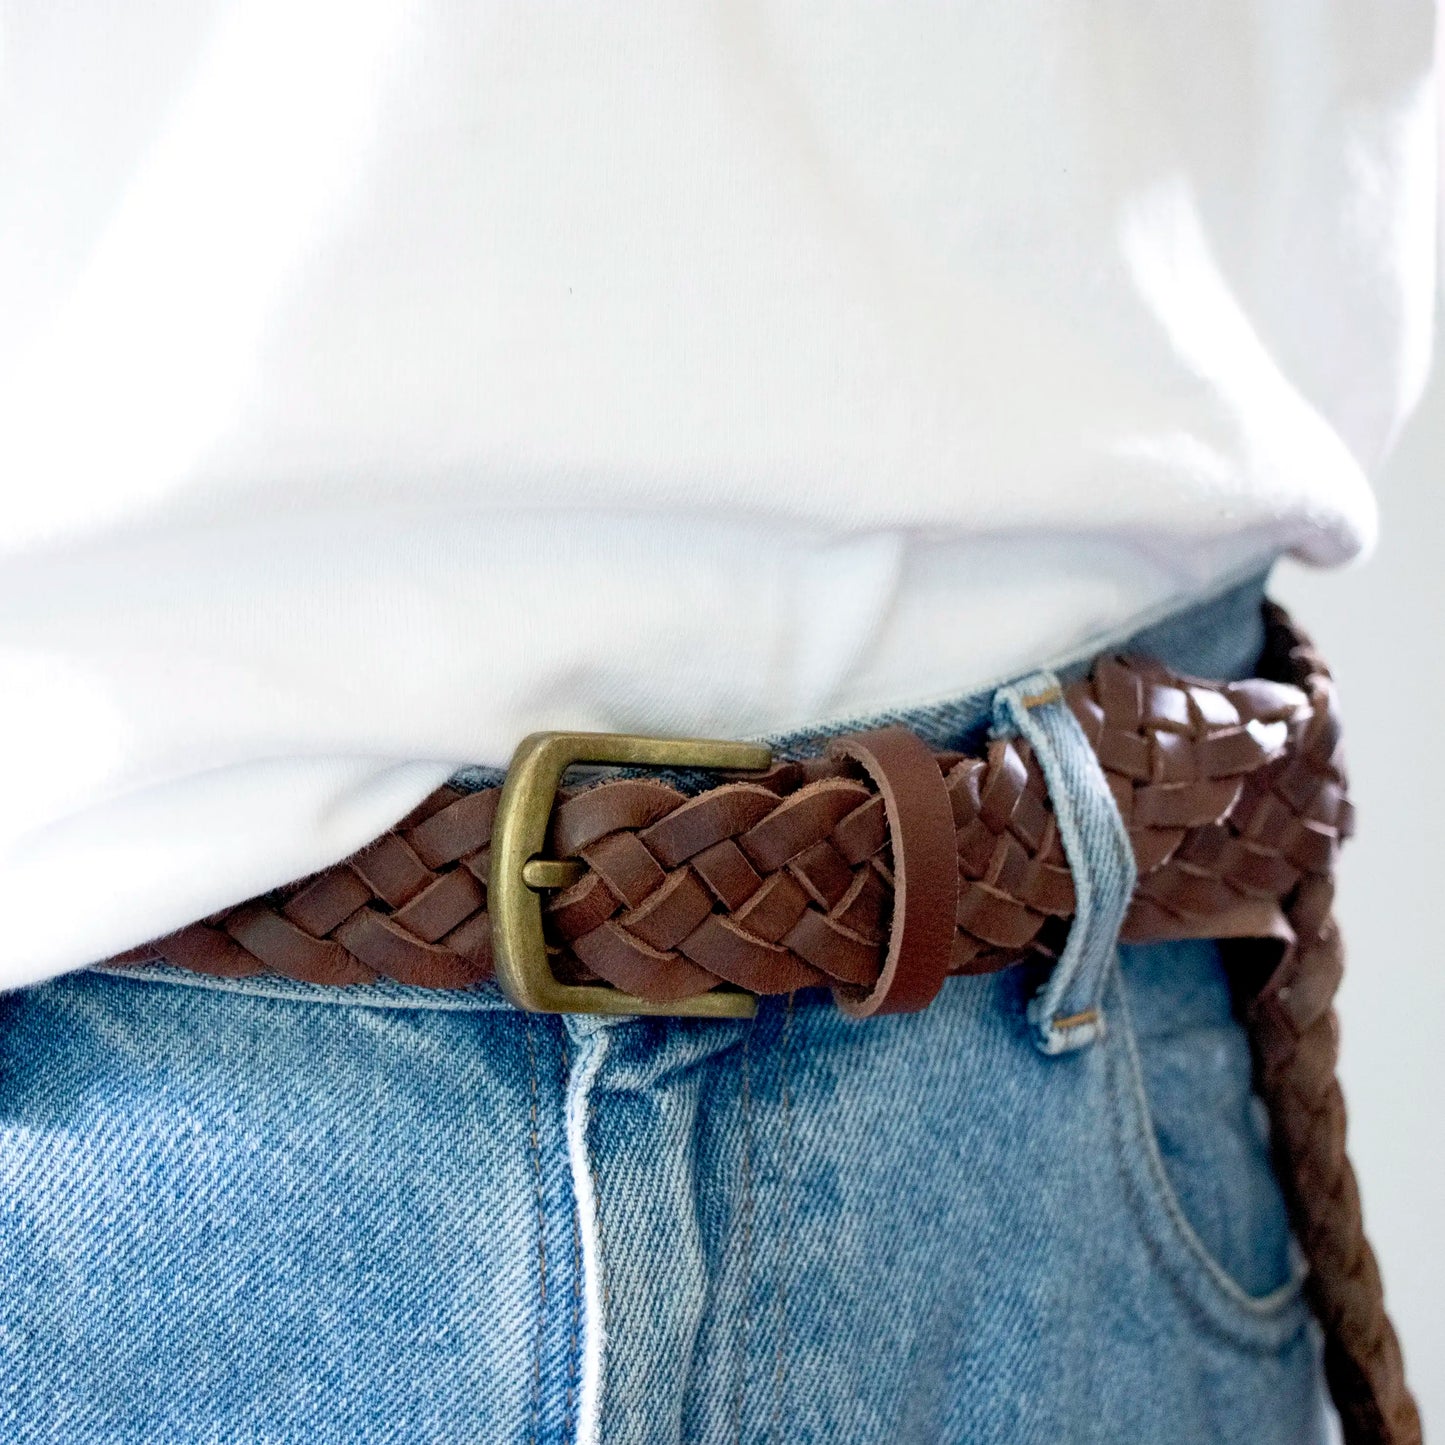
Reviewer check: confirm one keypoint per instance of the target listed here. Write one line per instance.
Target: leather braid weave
(1234, 796)
(1295, 1036)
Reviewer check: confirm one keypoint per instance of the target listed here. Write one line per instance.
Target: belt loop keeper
(925, 870)
(1067, 1013)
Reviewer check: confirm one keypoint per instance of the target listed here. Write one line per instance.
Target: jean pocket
(1194, 1145)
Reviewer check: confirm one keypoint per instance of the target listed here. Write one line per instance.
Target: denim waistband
(1220, 638)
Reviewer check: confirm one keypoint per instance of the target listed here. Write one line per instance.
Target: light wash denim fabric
(254, 1211)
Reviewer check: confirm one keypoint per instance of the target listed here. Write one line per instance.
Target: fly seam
(745, 1212)
(785, 1211)
(536, 1410)
(573, 1351)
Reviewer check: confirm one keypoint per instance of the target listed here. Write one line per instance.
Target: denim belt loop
(1067, 1012)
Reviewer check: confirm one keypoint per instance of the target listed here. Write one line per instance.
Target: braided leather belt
(877, 870)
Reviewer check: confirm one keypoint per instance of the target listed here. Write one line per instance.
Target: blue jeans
(256, 1211)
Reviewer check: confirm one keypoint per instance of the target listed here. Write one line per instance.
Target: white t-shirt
(381, 381)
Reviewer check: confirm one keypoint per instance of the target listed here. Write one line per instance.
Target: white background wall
(1382, 626)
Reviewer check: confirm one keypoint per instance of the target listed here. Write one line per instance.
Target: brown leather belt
(878, 869)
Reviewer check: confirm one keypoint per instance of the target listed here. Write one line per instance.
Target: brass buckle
(519, 832)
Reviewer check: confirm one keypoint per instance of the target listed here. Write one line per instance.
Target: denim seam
(536, 1407)
(574, 1359)
(282, 990)
(596, 1294)
(745, 1209)
(1239, 1317)
(785, 1223)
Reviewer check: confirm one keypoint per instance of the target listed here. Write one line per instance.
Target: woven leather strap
(1295, 1037)
(1234, 796)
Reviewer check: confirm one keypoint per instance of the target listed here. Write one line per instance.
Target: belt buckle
(519, 872)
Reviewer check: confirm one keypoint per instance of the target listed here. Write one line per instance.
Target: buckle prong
(518, 872)
(542, 873)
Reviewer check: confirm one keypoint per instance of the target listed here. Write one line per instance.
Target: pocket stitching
(1204, 1284)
